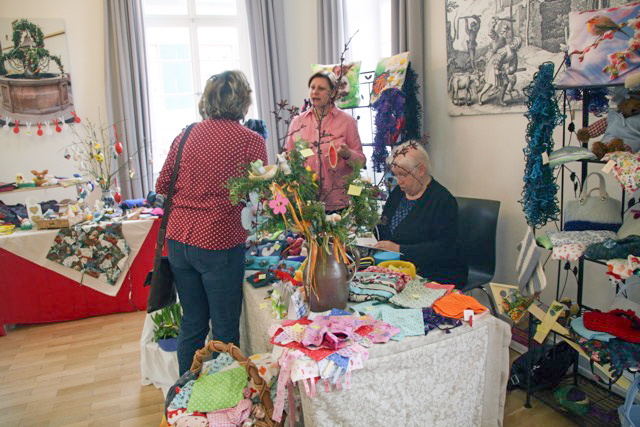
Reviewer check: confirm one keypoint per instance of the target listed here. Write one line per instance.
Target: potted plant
(167, 326)
(27, 86)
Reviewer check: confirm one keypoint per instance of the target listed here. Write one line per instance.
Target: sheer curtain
(127, 97)
(269, 61)
(331, 30)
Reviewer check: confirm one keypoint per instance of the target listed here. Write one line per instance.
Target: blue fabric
(408, 320)
(588, 225)
(404, 207)
(209, 284)
(577, 325)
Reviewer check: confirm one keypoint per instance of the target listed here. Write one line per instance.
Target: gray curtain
(331, 30)
(127, 96)
(407, 34)
(269, 60)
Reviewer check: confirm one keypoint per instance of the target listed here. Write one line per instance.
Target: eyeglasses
(403, 173)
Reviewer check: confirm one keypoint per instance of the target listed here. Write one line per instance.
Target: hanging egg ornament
(28, 132)
(65, 126)
(118, 147)
(97, 146)
(99, 157)
(58, 128)
(48, 131)
(66, 154)
(118, 189)
(40, 132)
(117, 197)
(16, 127)
(6, 125)
(131, 173)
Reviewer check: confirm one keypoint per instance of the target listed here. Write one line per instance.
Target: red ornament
(16, 127)
(76, 118)
(117, 197)
(118, 147)
(58, 128)
(40, 132)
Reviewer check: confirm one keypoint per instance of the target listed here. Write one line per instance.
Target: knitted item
(454, 305)
(623, 324)
(615, 249)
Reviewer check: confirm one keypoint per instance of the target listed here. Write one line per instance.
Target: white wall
(84, 26)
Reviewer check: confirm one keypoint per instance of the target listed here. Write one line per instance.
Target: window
(187, 41)
(371, 43)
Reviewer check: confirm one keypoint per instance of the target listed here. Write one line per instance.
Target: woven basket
(252, 371)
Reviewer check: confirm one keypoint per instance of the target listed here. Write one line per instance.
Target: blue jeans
(209, 284)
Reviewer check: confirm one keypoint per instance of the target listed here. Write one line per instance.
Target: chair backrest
(477, 223)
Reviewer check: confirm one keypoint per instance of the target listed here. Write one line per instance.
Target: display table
(455, 379)
(32, 293)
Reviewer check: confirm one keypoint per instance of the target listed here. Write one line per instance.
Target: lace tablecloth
(456, 379)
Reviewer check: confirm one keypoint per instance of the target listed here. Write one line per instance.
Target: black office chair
(477, 223)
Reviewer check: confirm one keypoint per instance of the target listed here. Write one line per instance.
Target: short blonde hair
(226, 96)
(417, 155)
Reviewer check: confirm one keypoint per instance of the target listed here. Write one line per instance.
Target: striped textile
(531, 277)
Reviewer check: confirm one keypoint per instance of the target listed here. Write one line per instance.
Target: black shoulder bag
(163, 289)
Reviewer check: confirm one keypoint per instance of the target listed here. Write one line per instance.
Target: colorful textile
(623, 324)
(454, 305)
(620, 354)
(433, 320)
(193, 420)
(218, 391)
(571, 252)
(267, 368)
(99, 250)
(626, 169)
(408, 320)
(416, 295)
(587, 237)
(202, 214)
(621, 269)
(399, 284)
(216, 365)
(332, 332)
(349, 93)
(435, 285)
(231, 417)
(390, 73)
(178, 406)
(367, 286)
(577, 325)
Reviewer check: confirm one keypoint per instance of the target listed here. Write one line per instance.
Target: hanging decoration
(539, 201)
(412, 109)
(389, 108)
(598, 101)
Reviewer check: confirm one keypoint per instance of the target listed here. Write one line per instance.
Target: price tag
(609, 166)
(354, 190)
(264, 305)
(307, 152)
(545, 158)
(276, 246)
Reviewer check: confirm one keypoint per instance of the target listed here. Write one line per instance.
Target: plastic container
(386, 256)
(629, 413)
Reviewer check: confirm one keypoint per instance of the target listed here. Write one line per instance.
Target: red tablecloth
(30, 293)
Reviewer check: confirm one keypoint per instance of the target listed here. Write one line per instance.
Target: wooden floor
(87, 373)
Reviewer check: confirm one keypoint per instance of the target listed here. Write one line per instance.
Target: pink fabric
(331, 332)
(436, 285)
(343, 130)
(405, 277)
(201, 213)
(230, 417)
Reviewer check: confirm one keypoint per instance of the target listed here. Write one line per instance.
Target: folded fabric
(416, 295)
(433, 320)
(623, 324)
(193, 420)
(577, 325)
(531, 278)
(218, 391)
(610, 248)
(231, 417)
(454, 305)
(408, 320)
(587, 237)
(621, 269)
(570, 252)
(569, 154)
(405, 278)
(435, 285)
(626, 169)
(367, 286)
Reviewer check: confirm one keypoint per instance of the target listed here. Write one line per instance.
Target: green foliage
(30, 60)
(167, 322)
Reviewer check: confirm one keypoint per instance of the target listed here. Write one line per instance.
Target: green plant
(167, 322)
(28, 55)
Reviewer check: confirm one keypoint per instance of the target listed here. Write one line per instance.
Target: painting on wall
(494, 48)
(35, 82)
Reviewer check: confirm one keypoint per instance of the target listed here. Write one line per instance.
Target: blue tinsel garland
(389, 107)
(539, 201)
(598, 101)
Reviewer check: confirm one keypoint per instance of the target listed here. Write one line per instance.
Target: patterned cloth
(620, 354)
(433, 320)
(216, 365)
(400, 284)
(231, 417)
(416, 295)
(219, 391)
(626, 169)
(404, 207)
(367, 286)
(201, 212)
(408, 320)
(559, 238)
(99, 250)
(621, 269)
(570, 252)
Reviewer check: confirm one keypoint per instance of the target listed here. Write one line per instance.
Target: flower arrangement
(28, 55)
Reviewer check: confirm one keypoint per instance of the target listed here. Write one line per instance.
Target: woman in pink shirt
(205, 237)
(338, 129)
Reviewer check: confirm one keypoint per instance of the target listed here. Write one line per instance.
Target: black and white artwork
(494, 48)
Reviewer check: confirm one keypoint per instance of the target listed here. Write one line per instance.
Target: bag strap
(167, 202)
(602, 187)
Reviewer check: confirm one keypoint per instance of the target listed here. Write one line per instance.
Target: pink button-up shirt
(341, 129)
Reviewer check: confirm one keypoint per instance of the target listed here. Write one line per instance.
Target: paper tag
(608, 167)
(354, 190)
(263, 305)
(545, 158)
(276, 246)
(307, 152)
(468, 314)
(262, 276)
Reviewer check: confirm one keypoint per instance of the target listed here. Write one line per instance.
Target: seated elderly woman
(420, 218)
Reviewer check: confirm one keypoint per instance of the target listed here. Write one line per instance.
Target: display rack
(603, 401)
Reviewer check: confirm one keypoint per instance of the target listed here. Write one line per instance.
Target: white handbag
(589, 212)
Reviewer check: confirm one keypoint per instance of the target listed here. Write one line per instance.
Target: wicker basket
(252, 371)
(66, 222)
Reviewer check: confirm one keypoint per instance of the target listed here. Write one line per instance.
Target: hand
(344, 151)
(387, 246)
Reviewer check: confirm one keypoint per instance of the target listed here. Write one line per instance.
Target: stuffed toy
(39, 178)
(620, 130)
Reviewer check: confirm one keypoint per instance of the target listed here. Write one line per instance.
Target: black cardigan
(428, 236)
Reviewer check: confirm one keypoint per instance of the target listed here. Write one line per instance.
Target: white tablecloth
(455, 379)
(157, 366)
(34, 246)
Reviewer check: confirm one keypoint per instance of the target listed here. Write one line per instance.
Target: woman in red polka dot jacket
(205, 237)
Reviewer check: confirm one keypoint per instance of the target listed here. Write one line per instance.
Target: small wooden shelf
(44, 187)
